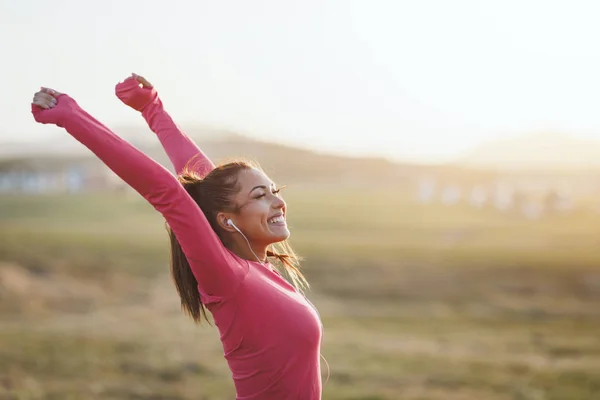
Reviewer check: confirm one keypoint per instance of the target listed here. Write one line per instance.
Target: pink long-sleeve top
(270, 333)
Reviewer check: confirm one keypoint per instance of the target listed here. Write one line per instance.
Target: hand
(49, 106)
(136, 92)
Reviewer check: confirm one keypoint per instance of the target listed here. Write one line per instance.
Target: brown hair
(214, 194)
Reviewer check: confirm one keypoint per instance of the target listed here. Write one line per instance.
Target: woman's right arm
(213, 266)
(180, 148)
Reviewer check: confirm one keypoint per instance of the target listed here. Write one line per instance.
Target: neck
(240, 248)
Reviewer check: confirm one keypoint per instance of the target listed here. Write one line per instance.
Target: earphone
(230, 223)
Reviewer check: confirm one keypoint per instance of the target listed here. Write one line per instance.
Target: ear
(222, 222)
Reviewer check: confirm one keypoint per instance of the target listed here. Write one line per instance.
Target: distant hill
(549, 153)
(539, 151)
(284, 163)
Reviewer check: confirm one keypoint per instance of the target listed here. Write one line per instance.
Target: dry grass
(419, 303)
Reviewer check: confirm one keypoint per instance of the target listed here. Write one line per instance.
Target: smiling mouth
(276, 220)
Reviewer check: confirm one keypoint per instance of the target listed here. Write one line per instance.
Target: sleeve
(217, 271)
(180, 148)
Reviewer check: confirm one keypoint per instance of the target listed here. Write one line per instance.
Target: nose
(278, 203)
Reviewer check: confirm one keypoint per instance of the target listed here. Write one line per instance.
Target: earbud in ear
(230, 223)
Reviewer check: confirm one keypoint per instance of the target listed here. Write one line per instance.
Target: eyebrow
(260, 187)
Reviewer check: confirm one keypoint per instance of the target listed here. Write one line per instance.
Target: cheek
(255, 215)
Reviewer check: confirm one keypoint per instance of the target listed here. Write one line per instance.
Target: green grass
(418, 302)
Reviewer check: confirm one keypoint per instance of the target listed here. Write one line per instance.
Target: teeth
(276, 219)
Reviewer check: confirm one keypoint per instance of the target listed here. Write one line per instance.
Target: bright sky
(422, 80)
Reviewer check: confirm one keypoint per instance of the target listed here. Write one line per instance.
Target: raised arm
(211, 263)
(139, 94)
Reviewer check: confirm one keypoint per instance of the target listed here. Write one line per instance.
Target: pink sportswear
(271, 334)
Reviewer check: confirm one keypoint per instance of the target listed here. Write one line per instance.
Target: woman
(222, 223)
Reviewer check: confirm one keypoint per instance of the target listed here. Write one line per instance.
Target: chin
(280, 237)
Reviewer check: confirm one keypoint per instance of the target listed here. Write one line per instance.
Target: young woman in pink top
(225, 223)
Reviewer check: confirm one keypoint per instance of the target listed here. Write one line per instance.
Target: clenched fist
(50, 106)
(136, 92)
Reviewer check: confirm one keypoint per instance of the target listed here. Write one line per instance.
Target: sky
(407, 80)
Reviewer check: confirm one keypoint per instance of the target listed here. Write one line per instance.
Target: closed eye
(274, 191)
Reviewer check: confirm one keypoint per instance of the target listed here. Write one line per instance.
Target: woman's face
(262, 215)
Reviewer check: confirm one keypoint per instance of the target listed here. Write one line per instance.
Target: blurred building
(43, 178)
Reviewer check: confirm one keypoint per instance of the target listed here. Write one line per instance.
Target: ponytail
(185, 282)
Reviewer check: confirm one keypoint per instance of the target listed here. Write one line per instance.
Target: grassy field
(418, 302)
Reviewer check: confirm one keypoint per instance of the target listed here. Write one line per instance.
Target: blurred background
(442, 163)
